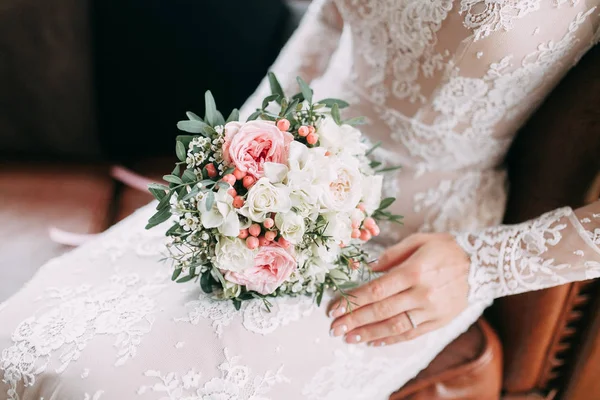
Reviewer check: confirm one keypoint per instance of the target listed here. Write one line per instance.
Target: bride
(444, 86)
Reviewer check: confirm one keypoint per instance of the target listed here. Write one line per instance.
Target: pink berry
(252, 242)
(239, 175)
(248, 181)
(283, 124)
(269, 223)
(355, 224)
(312, 138)
(263, 241)
(254, 230)
(362, 207)
(303, 131)
(355, 234)
(369, 223)
(365, 235)
(243, 234)
(375, 231)
(238, 201)
(229, 178)
(232, 192)
(327, 153)
(311, 129)
(270, 235)
(342, 245)
(211, 170)
(283, 243)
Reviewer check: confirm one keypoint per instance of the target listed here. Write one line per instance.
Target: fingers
(410, 334)
(376, 290)
(399, 252)
(375, 312)
(397, 325)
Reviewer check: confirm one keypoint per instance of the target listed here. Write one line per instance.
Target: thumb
(399, 252)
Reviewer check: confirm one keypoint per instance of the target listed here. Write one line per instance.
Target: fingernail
(353, 339)
(337, 312)
(338, 331)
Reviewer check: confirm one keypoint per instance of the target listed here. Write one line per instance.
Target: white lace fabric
(559, 247)
(444, 85)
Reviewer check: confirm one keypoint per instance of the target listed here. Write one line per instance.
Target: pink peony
(273, 265)
(248, 146)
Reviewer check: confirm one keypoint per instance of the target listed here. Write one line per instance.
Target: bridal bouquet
(278, 205)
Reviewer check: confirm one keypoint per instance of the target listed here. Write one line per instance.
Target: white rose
(308, 167)
(371, 196)
(222, 215)
(264, 198)
(291, 226)
(233, 255)
(343, 193)
(340, 138)
(305, 203)
(339, 227)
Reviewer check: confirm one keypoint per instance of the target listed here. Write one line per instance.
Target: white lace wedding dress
(444, 84)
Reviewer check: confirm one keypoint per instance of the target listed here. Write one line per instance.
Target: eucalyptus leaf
(211, 116)
(234, 116)
(330, 102)
(335, 114)
(305, 89)
(268, 99)
(188, 176)
(158, 218)
(275, 85)
(220, 119)
(356, 121)
(173, 179)
(180, 151)
(191, 126)
(193, 116)
(210, 200)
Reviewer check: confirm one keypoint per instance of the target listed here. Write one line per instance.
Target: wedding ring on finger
(412, 321)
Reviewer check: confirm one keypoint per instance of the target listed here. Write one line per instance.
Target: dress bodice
(444, 85)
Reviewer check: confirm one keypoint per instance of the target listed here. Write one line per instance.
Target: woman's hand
(425, 287)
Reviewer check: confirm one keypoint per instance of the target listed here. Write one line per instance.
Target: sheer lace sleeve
(559, 247)
(306, 54)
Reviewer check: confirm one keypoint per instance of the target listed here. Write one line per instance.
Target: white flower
(189, 222)
(274, 172)
(371, 196)
(222, 215)
(340, 139)
(308, 167)
(339, 227)
(264, 198)
(291, 226)
(343, 193)
(305, 203)
(233, 255)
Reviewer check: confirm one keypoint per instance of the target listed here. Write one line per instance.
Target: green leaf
(176, 273)
(269, 99)
(220, 118)
(191, 194)
(299, 97)
(335, 114)
(234, 116)
(158, 218)
(164, 202)
(206, 282)
(157, 193)
(374, 164)
(389, 169)
(210, 200)
(158, 186)
(186, 278)
(176, 170)
(185, 139)
(320, 297)
(237, 304)
(275, 85)
(254, 116)
(173, 179)
(305, 89)
(330, 102)
(193, 116)
(188, 176)
(172, 230)
(210, 108)
(180, 151)
(385, 203)
(191, 126)
(372, 149)
(291, 107)
(228, 171)
(355, 121)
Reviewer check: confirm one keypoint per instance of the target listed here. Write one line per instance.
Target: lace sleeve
(306, 54)
(559, 247)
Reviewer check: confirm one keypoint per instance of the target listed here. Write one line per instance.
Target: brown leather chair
(542, 344)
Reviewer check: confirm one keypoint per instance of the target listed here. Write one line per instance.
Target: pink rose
(248, 146)
(273, 265)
